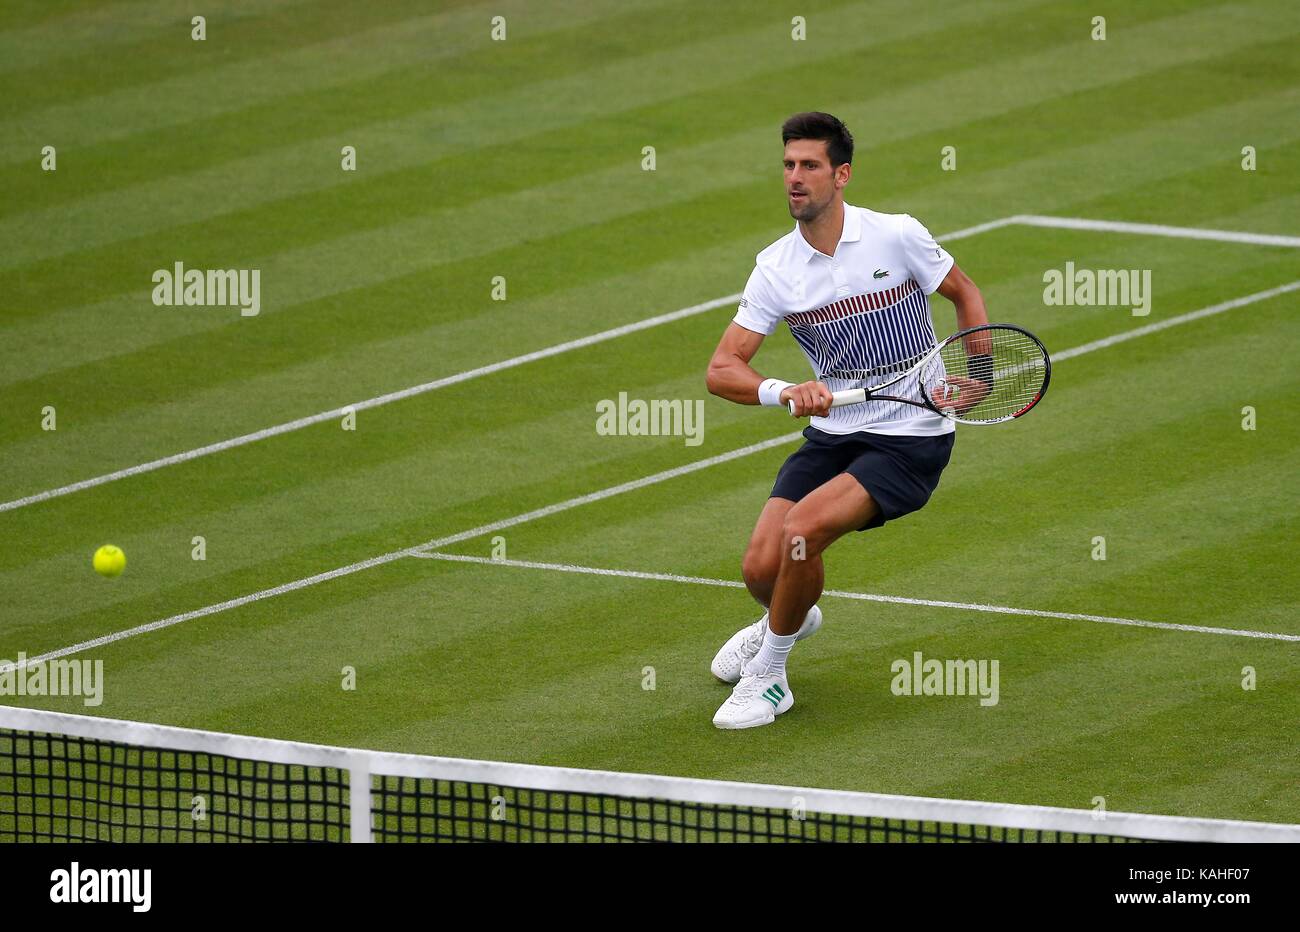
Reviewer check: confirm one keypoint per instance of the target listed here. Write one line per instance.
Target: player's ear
(843, 173)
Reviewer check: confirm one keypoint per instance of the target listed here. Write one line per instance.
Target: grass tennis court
(523, 159)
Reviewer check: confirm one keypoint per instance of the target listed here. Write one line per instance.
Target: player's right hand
(809, 398)
(959, 393)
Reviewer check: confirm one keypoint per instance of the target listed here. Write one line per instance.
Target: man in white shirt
(852, 286)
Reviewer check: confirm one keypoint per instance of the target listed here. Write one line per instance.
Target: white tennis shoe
(756, 700)
(742, 647)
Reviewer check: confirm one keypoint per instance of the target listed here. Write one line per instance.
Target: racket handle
(851, 396)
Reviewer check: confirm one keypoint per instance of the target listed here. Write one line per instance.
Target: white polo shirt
(859, 315)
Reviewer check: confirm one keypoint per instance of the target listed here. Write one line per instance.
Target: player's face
(809, 182)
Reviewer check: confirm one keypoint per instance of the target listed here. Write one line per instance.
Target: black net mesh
(408, 809)
(66, 788)
(56, 787)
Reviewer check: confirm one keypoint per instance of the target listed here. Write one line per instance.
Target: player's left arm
(966, 298)
(971, 312)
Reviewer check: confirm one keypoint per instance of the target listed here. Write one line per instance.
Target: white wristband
(769, 392)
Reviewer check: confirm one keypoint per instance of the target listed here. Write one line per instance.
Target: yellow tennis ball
(109, 561)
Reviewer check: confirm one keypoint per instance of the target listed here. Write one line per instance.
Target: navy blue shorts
(899, 473)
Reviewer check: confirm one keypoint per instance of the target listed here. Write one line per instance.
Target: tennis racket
(985, 375)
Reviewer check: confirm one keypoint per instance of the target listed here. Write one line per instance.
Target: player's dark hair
(818, 125)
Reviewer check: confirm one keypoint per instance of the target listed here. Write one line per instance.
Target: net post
(359, 799)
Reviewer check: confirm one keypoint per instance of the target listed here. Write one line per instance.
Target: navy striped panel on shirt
(863, 340)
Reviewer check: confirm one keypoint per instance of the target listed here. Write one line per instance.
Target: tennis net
(81, 778)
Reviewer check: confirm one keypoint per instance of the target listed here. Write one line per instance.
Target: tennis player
(852, 286)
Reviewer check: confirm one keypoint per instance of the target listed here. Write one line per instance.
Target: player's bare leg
(760, 566)
(762, 559)
(822, 517)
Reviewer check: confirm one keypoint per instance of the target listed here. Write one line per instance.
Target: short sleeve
(757, 311)
(928, 262)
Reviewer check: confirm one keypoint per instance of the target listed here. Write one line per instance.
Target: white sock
(802, 627)
(770, 659)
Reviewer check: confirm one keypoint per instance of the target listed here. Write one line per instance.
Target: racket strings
(989, 375)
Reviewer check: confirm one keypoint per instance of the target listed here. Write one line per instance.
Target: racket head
(989, 374)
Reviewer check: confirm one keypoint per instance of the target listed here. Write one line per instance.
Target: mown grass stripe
(334, 63)
(104, 29)
(485, 124)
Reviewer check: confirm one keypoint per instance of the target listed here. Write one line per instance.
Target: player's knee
(802, 536)
(760, 564)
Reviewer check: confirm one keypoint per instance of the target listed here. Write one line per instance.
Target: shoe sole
(738, 727)
(757, 724)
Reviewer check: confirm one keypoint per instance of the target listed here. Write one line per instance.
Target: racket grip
(850, 396)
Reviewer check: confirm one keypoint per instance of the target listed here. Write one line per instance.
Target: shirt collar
(851, 233)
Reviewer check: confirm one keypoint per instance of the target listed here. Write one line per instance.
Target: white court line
(1155, 229)
(1174, 321)
(336, 413)
(609, 492)
(864, 596)
(418, 548)
(531, 515)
